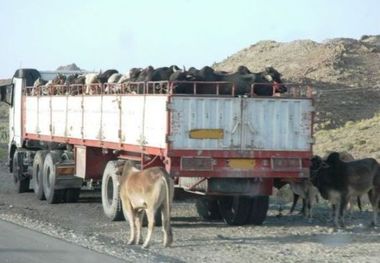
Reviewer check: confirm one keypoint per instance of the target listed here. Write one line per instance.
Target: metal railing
(204, 88)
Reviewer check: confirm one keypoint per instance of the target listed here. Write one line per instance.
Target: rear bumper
(227, 186)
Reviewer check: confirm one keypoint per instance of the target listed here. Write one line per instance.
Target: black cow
(161, 74)
(145, 74)
(134, 73)
(180, 81)
(241, 80)
(338, 181)
(268, 83)
(103, 77)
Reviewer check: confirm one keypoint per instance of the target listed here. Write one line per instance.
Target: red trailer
(226, 148)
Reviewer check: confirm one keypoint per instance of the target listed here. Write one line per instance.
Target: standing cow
(338, 181)
(146, 190)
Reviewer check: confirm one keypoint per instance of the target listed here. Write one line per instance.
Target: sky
(99, 35)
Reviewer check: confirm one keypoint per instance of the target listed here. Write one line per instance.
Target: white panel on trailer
(92, 107)
(58, 116)
(74, 117)
(155, 121)
(111, 118)
(31, 115)
(132, 119)
(44, 115)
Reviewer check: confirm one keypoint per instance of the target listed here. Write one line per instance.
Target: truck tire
(110, 192)
(38, 165)
(21, 182)
(235, 209)
(72, 195)
(207, 209)
(259, 209)
(52, 195)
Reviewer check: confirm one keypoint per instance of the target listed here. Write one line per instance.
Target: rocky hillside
(70, 67)
(345, 73)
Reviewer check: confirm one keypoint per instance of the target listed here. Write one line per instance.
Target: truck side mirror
(6, 92)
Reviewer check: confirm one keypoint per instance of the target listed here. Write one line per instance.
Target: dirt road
(280, 239)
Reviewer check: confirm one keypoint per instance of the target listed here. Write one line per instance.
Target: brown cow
(146, 190)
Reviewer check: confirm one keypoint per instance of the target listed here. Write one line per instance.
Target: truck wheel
(72, 195)
(21, 182)
(38, 165)
(110, 192)
(48, 179)
(234, 209)
(207, 209)
(259, 209)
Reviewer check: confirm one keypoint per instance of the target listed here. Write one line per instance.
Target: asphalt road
(19, 244)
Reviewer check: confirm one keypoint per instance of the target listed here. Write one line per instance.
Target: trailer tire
(21, 182)
(52, 195)
(234, 209)
(259, 209)
(38, 165)
(110, 192)
(207, 209)
(72, 195)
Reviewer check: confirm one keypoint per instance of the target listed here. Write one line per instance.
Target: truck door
(276, 124)
(206, 123)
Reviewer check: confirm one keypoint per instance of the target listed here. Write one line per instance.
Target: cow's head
(134, 73)
(272, 75)
(317, 168)
(243, 70)
(333, 158)
(174, 68)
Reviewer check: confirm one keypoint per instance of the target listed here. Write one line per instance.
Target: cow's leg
(310, 201)
(138, 223)
(303, 209)
(359, 201)
(128, 209)
(336, 214)
(166, 227)
(375, 202)
(295, 200)
(332, 212)
(150, 215)
(343, 204)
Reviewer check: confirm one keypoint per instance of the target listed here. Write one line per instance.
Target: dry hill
(345, 72)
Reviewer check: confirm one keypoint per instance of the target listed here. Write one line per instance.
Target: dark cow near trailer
(338, 181)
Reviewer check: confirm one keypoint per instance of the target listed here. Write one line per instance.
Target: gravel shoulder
(289, 238)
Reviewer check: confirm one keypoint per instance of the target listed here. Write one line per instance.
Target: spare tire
(110, 192)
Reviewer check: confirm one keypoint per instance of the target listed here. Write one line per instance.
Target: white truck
(226, 148)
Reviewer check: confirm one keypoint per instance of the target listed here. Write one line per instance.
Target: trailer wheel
(21, 182)
(235, 209)
(48, 179)
(110, 192)
(38, 165)
(259, 209)
(72, 195)
(207, 209)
